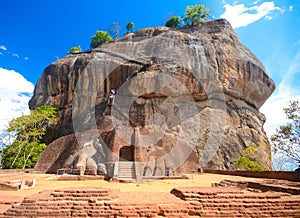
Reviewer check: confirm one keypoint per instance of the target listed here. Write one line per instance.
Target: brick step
(126, 170)
(77, 199)
(234, 196)
(101, 192)
(247, 201)
(259, 207)
(245, 213)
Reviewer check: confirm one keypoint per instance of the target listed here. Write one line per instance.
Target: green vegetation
(130, 27)
(29, 130)
(195, 15)
(75, 49)
(286, 140)
(99, 38)
(253, 159)
(247, 164)
(173, 22)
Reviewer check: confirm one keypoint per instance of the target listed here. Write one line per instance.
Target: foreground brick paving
(98, 202)
(181, 202)
(233, 202)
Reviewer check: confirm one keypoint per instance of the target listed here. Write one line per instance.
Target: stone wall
(291, 176)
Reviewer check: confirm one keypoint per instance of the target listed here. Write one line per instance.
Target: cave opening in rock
(127, 153)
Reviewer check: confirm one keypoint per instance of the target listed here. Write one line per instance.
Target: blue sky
(35, 33)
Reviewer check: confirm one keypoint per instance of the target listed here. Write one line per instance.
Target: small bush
(75, 49)
(99, 38)
(173, 22)
(247, 164)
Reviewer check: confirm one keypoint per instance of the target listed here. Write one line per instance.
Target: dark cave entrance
(127, 153)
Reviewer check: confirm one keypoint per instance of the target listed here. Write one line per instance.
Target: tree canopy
(173, 22)
(130, 27)
(252, 158)
(99, 38)
(29, 130)
(286, 140)
(195, 15)
(74, 49)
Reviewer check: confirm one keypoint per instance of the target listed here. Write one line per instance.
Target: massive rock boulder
(184, 98)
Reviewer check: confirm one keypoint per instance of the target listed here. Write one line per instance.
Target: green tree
(247, 164)
(99, 38)
(173, 22)
(252, 158)
(130, 27)
(286, 140)
(28, 144)
(115, 29)
(195, 15)
(165, 19)
(75, 49)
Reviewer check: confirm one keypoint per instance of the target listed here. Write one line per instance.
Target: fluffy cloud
(239, 15)
(15, 92)
(2, 47)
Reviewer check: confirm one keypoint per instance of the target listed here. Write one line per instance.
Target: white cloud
(15, 55)
(15, 92)
(239, 15)
(256, 2)
(26, 58)
(1, 53)
(2, 47)
(291, 8)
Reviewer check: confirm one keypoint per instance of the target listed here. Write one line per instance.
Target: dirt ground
(49, 182)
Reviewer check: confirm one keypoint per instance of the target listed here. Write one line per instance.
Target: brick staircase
(234, 202)
(98, 202)
(126, 170)
(64, 203)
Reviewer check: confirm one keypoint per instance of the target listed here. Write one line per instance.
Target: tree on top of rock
(99, 38)
(173, 22)
(75, 49)
(130, 27)
(195, 15)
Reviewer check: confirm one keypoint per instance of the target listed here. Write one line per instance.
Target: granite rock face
(184, 98)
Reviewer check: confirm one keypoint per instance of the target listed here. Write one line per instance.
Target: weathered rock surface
(183, 96)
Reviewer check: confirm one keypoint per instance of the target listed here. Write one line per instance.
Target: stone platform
(227, 199)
